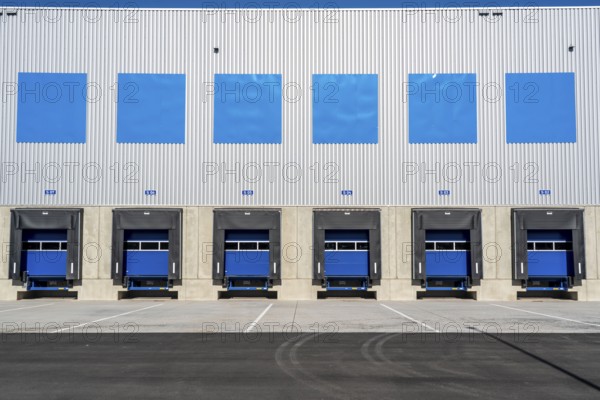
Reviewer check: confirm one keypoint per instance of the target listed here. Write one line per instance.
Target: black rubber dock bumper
(440, 294)
(231, 294)
(39, 294)
(360, 294)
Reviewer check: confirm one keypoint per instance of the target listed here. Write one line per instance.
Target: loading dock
(447, 252)
(247, 252)
(548, 251)
(347, 252)
(45, 251)
(146, 256)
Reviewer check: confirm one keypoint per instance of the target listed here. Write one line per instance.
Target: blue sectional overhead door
(44, 253)
(247, 253)
(448, 253)
(550, 253)
(346, 253)
(146, 253)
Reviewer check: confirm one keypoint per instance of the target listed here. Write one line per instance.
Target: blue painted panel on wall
(442, 108)
(51, 108)
(151, 108)
(248, 108)
(345, 108)
(540, 108)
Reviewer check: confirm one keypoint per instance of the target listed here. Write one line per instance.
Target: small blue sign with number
(247, 192)
(346, 192)
(444, 192)
(150, 192)
(50, 192)
(545, 192)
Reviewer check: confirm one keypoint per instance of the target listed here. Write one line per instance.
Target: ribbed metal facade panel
(297, 44)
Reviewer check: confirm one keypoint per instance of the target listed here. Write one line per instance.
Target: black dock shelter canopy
(347, 220)
(247, 219)
(70, 219)
(447, 219)
(151, 218)
(547, 219)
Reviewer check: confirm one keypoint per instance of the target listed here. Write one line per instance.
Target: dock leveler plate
(347, 249)
(246, 249)
(548, 249)
(45, 248)
(146, 248)
(447, 251)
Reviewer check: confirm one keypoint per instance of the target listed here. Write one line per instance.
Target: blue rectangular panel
(246, 235)
(442, 108)
(550, 263)
(247, 108)
(345, 108)
(246, 263)
(542, 235)
(346, 263)
(540, 108)
(447, 235)
(45, 263)
(147, 235)
(447, 263)
(346, 235)
(40, 235)
(51, 108)
(146, 263)
(151, 108)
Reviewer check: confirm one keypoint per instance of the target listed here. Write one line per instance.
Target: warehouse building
(300, 153)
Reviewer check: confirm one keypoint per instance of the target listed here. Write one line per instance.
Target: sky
(295, 3)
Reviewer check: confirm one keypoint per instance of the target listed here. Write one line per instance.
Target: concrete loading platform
(301, 253)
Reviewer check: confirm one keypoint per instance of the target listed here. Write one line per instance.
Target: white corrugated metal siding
(297, 44)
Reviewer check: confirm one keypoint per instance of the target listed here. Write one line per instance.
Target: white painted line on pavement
(255, 322)
(26, 308)
(546, 315)
(409, 318)
(104, 319)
